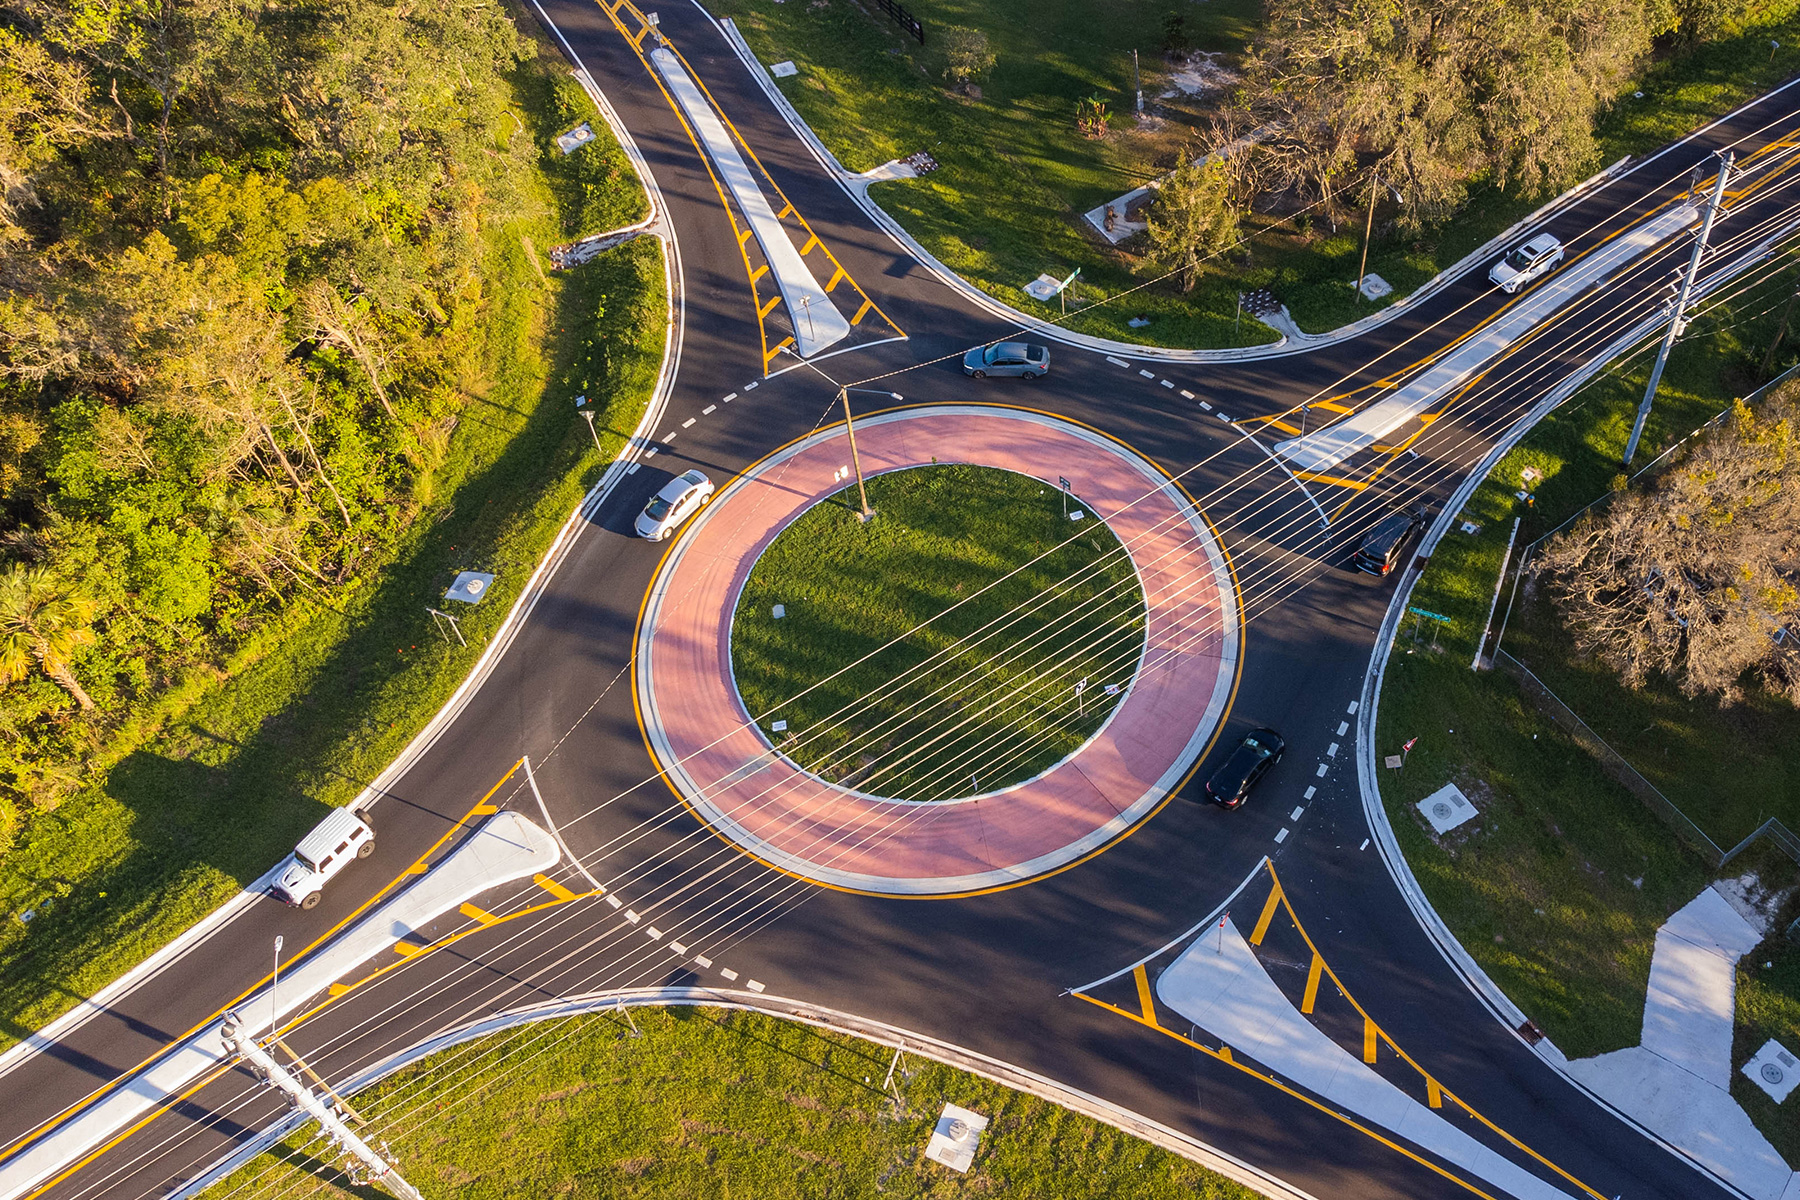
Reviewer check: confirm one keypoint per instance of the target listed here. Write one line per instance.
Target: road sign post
(1063, 484)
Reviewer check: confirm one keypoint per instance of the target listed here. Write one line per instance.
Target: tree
(42, 625)
(1697, 578)
(967, 56)
(1193, 217)
(1443, 91)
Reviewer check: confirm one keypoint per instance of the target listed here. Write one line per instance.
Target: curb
(818, 1016)
(527, 599)
(1375, 812)
(857, 188)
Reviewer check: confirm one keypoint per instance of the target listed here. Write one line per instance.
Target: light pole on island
(862, 491)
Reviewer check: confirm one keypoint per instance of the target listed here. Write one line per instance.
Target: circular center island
(969, 691)
(966, 639)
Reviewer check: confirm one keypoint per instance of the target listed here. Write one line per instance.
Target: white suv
(1532, 261)
(324, 852)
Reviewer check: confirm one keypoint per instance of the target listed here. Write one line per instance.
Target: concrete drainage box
(1774, 1070)
(1447, 808)
(954, 1140)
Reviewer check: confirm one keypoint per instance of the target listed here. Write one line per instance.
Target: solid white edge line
(528, 597)
(544, 811)
(1381, 831)
(1324, 521)
(881, 1033)
(1179, 938)
(850, 181)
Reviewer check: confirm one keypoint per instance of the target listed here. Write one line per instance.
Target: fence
(1614, 764)
(907, 21)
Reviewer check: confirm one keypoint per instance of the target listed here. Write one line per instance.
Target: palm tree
(42, 622)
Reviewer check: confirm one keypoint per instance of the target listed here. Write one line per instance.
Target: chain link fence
(1614, 764)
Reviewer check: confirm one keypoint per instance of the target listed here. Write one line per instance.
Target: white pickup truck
(321, 854)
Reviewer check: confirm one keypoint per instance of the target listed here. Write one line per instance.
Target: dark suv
(1385, 545)
(1260, 750)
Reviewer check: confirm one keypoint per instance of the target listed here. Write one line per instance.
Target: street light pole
(843, 391)
(1681, 301)
(1362, 271)
(862, 490)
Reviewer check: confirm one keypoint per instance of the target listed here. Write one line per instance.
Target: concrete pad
(1229, 995)
(1701, 1121)
(817, 321)
(506, 847)
(1690, 1007)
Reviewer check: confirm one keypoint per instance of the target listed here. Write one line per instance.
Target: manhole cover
(1441, 811)
(1771, 1073)
(959, 1129)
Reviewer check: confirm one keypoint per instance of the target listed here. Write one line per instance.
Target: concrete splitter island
(727, 771)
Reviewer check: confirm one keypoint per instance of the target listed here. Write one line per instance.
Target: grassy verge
(1768, 1006)
(1015, 175)
(211, 789)
(1558, 889)
(1000, 707)
(717, 1104)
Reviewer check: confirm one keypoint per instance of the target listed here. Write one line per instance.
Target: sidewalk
(1677, 1081)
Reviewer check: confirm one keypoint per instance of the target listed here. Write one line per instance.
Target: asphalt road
(988, 972)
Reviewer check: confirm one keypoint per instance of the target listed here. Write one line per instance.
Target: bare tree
(1697, 578)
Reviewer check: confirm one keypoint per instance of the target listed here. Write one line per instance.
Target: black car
(1231, 783)
(1385, 545)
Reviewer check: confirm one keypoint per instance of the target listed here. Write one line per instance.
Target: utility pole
(277, 1076)
(1681, 301)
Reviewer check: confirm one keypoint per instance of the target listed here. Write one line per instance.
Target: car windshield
(657, 509)
(1521, 258)
(305, 861)
(1388, 531)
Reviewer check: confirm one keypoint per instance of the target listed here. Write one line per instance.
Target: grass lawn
(1768, 1006)
(1558, 889)
(1016, 175)
(1000, 707)
(212, 787)
(716, 1104)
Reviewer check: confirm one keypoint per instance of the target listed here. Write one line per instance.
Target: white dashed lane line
(753, 985)
(1206, 406)
(670, 436)
(702, 960)
(1117, 362)
(1282, 836)
(1365, 844)
(1165, 383)
(650, 453)
(1309, 793)
(613, 900)
(678, 948)
(728, 973)
(1343, 728)
(1221, 416)
(1331, 750)
(632, 917)
(633, 468)
(730, 398)
(1187, 395)
(753, 385)
(708, 410)
(1352, 709)
(1322, 769)
(1295, 815)
(685, 424)
(1147, 374)
(654, 933)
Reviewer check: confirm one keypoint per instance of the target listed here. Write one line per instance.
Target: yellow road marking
(1355, 485)
(773, 301)
(810, 243)
(1143, 989)
(408, 949)
(481, 916)
(1370, 1036)
(25, 1139)
(1223, 1054)
(1268, 914)
(837, 277)
(1434, 1093)
(554, 888)
(862, 312)
(758, 274)
(1312, 984)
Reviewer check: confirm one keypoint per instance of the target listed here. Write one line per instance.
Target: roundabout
(726, 768)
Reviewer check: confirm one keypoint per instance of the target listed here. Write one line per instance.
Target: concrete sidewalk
(1677, 1081)
(505, 848)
